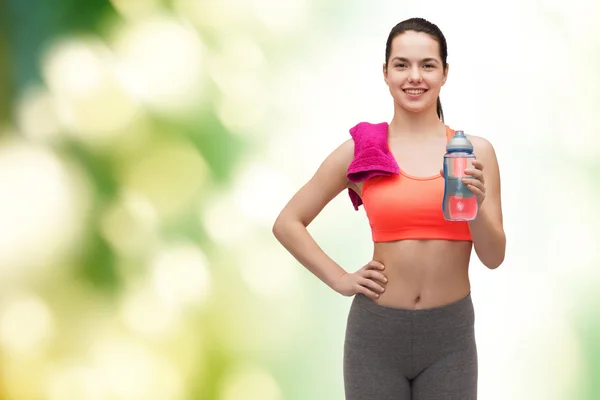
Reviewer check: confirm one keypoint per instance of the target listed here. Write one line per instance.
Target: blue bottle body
(459, 202)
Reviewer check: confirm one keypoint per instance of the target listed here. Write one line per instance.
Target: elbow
(496, 259)
(277, 228)
(492, 255)
(280, 227)
(495, 262)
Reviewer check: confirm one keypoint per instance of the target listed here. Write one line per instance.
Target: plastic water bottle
(459, 204)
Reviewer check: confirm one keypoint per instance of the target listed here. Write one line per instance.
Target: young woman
(410, 331)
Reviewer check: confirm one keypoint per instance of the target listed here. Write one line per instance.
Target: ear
(445, 74)
(385, 74)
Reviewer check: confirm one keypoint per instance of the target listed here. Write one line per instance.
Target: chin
(413, 108)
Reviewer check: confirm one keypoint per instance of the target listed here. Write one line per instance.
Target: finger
(469, 180)
(477, 164)
(474, 182)
(475, 173)
(441, 171)
(371, 284)
(374, 264)
(476, 191)
(376, 275)
(370, 294)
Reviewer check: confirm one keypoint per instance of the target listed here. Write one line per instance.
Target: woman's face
(415, 73)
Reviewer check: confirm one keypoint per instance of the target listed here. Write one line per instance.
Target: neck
(407, 123)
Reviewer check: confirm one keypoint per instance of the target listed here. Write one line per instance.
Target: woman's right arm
(290, 228)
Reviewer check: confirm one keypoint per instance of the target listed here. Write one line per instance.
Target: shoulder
(485, 152)
(338, 160)
(480, 141)
(344, 153)
(362, 135)
(482, 146)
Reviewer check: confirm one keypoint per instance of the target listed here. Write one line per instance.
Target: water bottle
(459, 204)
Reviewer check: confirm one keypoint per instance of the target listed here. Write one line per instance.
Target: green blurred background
(146, 147)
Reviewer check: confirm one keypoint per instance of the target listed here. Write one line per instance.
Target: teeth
(414, 91)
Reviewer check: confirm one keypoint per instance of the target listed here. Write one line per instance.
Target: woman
(410, 331)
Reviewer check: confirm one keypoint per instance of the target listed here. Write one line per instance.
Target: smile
(415, 91)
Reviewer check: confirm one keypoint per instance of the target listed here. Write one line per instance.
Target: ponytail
(440, 113)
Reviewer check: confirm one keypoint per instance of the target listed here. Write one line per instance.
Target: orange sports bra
(402, 206)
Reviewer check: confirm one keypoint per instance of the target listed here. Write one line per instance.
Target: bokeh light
(43, 208)
(180, 276)
(246, 381)
(161, 61)
(37, 115)
(26, 324)
(169, 174)
(91, 103)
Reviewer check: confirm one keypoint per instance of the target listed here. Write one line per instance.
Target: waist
(459, 312)
(424, 273)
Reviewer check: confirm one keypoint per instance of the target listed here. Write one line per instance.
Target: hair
(420, 25)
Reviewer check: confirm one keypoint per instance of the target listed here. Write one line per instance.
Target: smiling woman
(410, 330)
(414, 55)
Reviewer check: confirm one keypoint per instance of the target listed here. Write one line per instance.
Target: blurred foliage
(136, 260)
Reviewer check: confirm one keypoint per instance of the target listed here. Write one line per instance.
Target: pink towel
(372, 156)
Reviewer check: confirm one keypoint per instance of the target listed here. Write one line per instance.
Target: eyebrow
(404, 59)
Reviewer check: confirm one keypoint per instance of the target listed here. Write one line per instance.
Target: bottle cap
(459, 142)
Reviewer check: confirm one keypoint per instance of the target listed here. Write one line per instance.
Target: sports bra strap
(449, 133)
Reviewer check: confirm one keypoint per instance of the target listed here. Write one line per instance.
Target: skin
(412, 274)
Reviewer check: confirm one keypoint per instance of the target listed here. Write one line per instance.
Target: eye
(428, 66)
(401, 65)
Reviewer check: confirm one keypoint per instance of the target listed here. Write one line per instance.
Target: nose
(415, 74)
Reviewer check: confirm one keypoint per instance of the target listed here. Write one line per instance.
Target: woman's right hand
(368, 280)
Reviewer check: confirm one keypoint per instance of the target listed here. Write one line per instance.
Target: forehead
(415, 44)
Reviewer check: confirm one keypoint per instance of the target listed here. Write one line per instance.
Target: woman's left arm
(487, 228)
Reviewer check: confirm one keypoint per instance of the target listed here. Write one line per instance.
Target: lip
(414, 96)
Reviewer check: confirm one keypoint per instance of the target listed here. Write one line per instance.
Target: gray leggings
(400, 354)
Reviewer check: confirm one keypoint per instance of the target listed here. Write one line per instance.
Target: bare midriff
(424, 273)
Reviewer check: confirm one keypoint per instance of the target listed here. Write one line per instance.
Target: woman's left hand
(475, 181)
